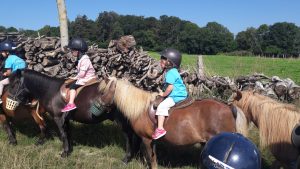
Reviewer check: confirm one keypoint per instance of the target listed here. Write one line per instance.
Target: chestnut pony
(22, 112)
(275, 122)
(196, 123)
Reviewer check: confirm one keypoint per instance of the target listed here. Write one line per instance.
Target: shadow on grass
(93, 135)
(108, 133)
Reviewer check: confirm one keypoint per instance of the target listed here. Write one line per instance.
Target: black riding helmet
(173, 55)
(78, 44)
(230, 151)
(6, 45)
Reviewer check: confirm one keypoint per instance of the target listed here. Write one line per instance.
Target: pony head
(17, 89)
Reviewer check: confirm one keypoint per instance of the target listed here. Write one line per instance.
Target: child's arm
(168, 90)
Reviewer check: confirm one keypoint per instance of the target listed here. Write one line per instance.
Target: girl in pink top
(85, 70)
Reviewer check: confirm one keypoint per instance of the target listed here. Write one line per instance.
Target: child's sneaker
(158, 133)
(69, 107)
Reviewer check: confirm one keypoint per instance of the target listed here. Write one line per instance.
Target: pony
(28, 83)
(275, 122)
(196, 123)
(22, 112)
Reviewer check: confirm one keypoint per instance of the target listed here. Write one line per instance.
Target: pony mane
(275, 120)
(132, 101)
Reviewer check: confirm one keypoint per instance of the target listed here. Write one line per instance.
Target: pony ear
(238, 95)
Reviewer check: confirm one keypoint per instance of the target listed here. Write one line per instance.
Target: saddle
(182, 104)
(65, 90)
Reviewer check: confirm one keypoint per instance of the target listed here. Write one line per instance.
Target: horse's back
(204, 118)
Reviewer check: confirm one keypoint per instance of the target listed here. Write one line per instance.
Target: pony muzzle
(11, 104)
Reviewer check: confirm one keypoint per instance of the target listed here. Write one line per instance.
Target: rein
(19, 91)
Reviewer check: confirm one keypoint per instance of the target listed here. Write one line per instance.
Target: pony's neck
(40, 85)
(131, 101)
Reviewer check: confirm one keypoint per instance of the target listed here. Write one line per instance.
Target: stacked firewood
(123, 60)
(120, 59)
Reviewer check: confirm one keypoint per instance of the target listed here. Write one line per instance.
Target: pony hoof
(64, 154)
(13, 143)
(40, 142)
(126, 160)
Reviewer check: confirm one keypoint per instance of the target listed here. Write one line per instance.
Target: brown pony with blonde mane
(275, 122)
(196, 123)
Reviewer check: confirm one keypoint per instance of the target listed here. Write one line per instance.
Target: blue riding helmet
(7, 46)
(230, 151)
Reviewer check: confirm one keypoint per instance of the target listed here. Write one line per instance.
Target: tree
(217, 38)
(105, 25)
(84, 28)
(283, 36)
(49, 31)
(2, 29)
(63, 22)
(11, 29)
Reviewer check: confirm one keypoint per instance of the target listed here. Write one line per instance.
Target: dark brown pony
(196, 123)
(21, 113)
(31, 84)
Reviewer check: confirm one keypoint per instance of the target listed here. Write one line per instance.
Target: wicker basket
(11, 104)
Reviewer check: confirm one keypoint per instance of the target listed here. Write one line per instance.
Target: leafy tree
(84, 28)
(217, 38)
(2, 29)
(11, 29)
(104, 24)
(49, 31)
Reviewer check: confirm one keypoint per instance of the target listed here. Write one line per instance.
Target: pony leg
(132, 144)
(8, 129)
(62, 129)
(40, 121)
(151, 152)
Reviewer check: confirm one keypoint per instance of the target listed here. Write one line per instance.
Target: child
(12, 63)
(175, 89)
(85, 70)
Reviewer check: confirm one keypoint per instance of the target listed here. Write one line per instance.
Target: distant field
(234, 66)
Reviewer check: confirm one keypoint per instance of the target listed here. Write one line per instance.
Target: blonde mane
(132, 101)
(275, 120)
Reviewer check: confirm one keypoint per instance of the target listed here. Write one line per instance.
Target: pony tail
(241, 122)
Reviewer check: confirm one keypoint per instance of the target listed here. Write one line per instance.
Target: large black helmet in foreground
(173, 55)
(78, 44)
(230, 151)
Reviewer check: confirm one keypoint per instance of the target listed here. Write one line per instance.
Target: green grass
(188, 61)
(234, 66)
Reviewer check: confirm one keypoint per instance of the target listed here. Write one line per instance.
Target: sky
(236, 15)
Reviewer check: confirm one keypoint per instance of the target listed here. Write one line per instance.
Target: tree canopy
(279, 39)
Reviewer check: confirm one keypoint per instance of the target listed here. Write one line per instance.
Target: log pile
(123, 60)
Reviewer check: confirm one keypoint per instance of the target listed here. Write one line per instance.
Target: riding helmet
(7, 45)
(78, 44)
(230, 150)
(173, 55)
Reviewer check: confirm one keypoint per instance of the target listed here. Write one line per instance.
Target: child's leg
(160, 121)
(162, 111)
(2, 84)
(72, 96)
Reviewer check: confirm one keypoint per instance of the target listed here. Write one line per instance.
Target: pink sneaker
(69, 107)
(158, 133)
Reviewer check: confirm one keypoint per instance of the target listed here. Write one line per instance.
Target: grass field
(96, 147)
(234, 66)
